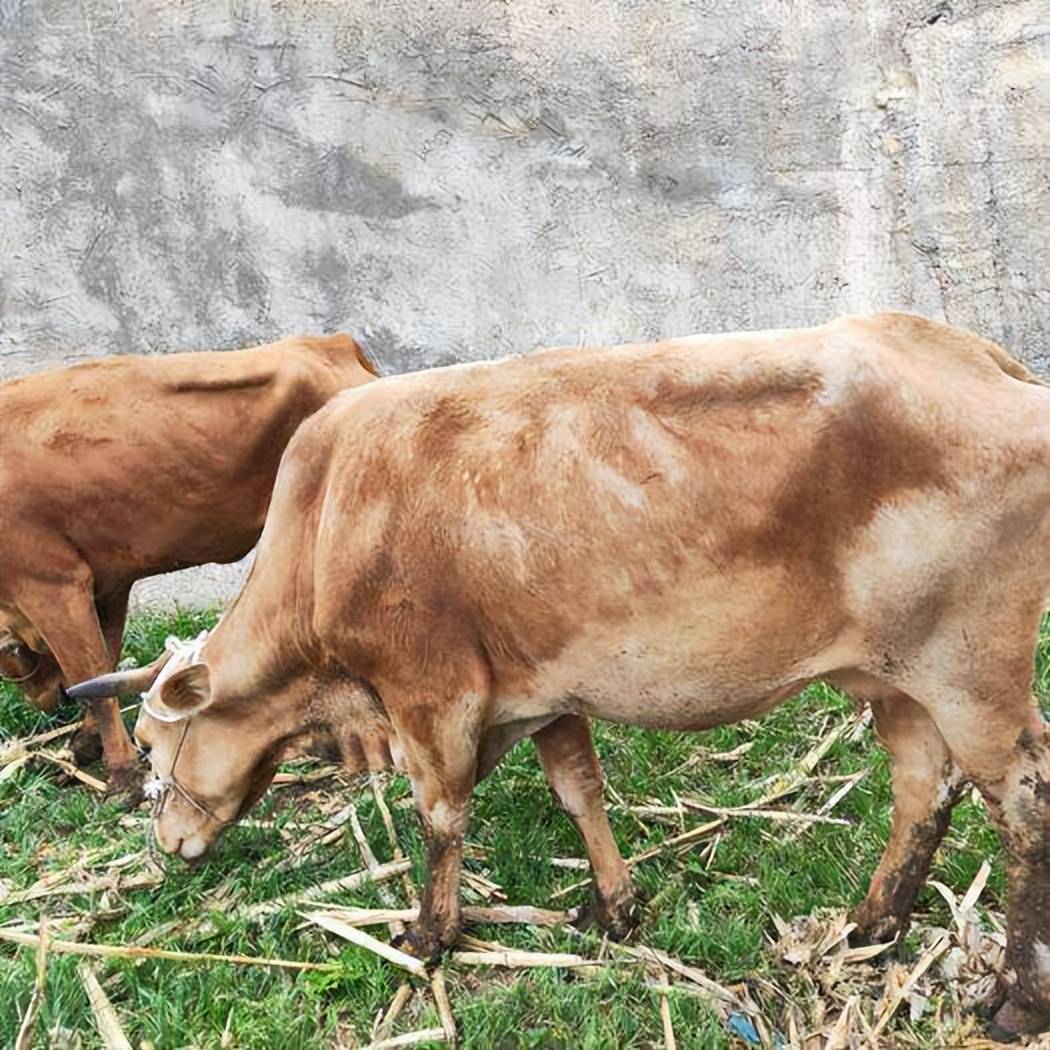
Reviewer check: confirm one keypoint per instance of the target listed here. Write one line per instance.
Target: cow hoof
(883, 930)
(424, 945)
(615, 915)
(125, 785)
(1013, 1021)
(86, 747)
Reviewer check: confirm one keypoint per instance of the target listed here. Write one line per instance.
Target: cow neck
(245, 653)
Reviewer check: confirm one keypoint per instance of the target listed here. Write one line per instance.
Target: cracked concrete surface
(467, 180)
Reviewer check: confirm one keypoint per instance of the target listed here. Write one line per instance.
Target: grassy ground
(711, 909)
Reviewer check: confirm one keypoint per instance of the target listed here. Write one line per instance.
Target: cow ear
(187, 691)
(363, 359)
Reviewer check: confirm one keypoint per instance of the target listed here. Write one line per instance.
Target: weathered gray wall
(466, 179)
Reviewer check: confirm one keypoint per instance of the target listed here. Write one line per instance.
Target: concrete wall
(465, 179)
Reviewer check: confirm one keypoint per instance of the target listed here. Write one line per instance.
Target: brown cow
(675, 536)
(130, 466)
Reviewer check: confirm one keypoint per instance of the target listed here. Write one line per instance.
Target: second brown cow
(126, 467)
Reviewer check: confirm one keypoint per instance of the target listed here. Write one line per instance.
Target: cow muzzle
(18, 662)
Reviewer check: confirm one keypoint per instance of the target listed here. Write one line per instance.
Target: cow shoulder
(944, 346)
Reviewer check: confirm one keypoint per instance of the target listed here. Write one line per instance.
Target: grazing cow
(130, 466)
(675, 536)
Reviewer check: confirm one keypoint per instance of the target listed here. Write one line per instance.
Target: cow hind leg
(574, 773)
(86, 744)
(997, 735)
(926, 785)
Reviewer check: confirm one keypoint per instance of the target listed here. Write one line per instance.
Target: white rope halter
(191, 649)
(157, 788)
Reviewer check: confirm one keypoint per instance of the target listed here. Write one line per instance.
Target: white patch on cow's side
(663, 452)
(562, 430)
(623, 489)
(837, 374)
(898, 555)
(501, 538)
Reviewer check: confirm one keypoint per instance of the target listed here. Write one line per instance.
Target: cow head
(36, 673)
(209, 762)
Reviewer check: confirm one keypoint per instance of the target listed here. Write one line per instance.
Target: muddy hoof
(424, 945)
(1012, 1021)
(86, 747)
(616, 915)
(125, 785)
(882, 930)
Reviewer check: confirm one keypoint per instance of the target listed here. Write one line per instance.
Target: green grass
(716, 917)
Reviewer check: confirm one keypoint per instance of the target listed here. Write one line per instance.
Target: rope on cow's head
(191, 649)
(157, 789)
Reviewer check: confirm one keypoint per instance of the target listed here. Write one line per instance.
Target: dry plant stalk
(366, 940)
(66, 730)
(106, 1019)
(485, 888)
(122, 951)
(103, 883)
(926, 960)
(28, 1027)
(68, 767)
(347, 882)
(511, 959)
(698, 977)
(395, 926)
(309, 777)
(665, 1013)
(376, 782)
(9, 766)
(676, 841)
(424, 1035)
(521, 914)
(397, 1004)
(448, 1023)
(851, 781)
(205, 927)
(786, 815)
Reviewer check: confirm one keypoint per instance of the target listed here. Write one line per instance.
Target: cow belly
(688, 676)
(689, 703)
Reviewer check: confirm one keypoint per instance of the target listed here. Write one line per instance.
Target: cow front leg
(926, 786)
(444, 812)
(66, 617)
(441, 767)
(574, 773)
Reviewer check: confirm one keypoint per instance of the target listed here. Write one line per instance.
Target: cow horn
(137, 680)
